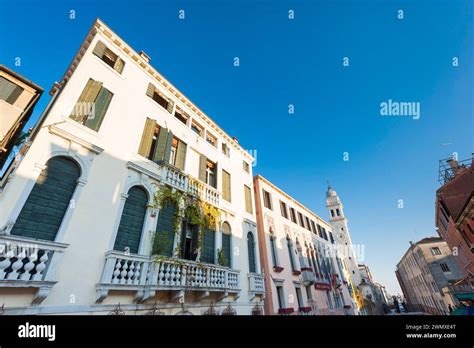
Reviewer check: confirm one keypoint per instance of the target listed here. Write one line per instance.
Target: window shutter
(88, 95)
(170, 106)
(209, 246)
(147, 137)
(202, 167)
(195, 239)
(160, 147)
(248, 200)
(226, 193)
(101, 106)
(150, 90)
(119, 64)
(99, 49)
(169, 142)
(181, 155)
(14, 95)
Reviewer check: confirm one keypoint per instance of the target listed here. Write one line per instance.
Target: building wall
(110, 166)
(272, 224)
(423, 278)
(15, 115)
(451, 233)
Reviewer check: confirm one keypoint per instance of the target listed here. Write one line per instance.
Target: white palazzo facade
(304, 272)
(78, 219)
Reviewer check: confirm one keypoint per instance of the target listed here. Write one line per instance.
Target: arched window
(226, 245)
(251, 248)
(48, 201)
(130, 229)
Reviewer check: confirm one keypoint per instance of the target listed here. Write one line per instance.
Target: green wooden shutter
(119, 64)
(150, 90)
(164, 236)
(226, 249)
(195, 239)
(251, 250)
(99, 49)
(160, 147)
(181, 155)
(89, 94)
(130, 228)
(226, 192)
(169, 142)
(202, 167)
(44, 210)
(209, 246)
(101, 105)
(147, 137)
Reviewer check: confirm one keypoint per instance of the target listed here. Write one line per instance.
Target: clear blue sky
(298, 62)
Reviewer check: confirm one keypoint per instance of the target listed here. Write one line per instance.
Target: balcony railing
(177, 179)
(29, 263)
(256, 284)
(308, 275)
(146, 275)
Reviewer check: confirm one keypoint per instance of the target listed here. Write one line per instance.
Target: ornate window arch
(131, 224)
(43, 212)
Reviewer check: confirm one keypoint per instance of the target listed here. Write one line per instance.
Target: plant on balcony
(160, 244)
(195, 211)
(278, 269)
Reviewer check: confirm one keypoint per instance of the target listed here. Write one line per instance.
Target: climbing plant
(194, 210)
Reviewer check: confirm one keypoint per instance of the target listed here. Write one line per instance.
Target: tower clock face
(341, 236)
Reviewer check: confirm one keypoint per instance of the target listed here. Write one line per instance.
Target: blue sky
(298, 62)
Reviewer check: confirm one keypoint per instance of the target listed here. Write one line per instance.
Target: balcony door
(189, 241)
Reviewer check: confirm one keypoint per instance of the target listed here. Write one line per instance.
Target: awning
(464, 297)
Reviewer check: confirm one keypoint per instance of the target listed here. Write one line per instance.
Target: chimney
(145, 56)
(411, 243)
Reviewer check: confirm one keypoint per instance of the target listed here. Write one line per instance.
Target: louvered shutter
(181, 155)
(147, 137)
(226, 193)
(169, 142)
(101, 106)
(86, 100)
(202, 167)
(99, 49)
(119, 64)
(170, 106)
(160, 145)
(150, 90)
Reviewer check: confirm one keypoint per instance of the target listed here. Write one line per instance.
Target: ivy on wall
(189, 208)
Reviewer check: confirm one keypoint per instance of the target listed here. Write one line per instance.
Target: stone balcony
(176, 178)
(145, 275)
(29, 263)
(256, 285)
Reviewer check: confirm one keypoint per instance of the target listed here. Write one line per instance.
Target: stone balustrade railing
(176, 178)
(26, 262)
(256, 283)
(146, 274)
